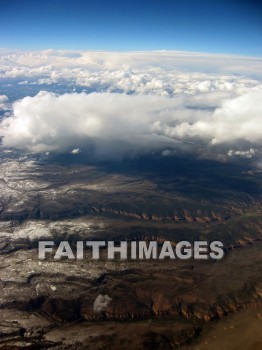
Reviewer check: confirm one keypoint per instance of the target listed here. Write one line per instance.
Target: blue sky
(207, 26)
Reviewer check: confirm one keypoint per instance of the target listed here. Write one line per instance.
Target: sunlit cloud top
(113, 104)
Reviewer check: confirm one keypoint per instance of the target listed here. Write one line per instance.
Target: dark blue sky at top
(209, 26)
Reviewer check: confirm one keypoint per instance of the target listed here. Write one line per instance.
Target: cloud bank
(113, 124)
(130, 103)
(165, 73)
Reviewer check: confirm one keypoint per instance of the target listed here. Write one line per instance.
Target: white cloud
(102, 120)
(3, 102)
(112, 124)
(246, 154)
(165, 73)
(144, 101)
(102, 60)
(166, 153)
(237, 119)
(76, 151)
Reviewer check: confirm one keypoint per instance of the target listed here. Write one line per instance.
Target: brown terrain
(119, 304)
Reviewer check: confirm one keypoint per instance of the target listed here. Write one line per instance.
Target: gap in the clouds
(16, 91)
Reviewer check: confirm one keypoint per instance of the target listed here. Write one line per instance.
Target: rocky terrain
(84, 304)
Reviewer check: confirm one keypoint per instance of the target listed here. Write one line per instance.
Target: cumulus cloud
(76, 151)
(101, 302)
(3, 102)
(102, 121)
(165, 73)
(237, 119)
(166, 153)
(246, 154)
(132, 102)
(113, 124)
(103, 60)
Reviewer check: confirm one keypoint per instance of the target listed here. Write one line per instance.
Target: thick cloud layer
(132, 102)
(15, 63)
(165, 73)
(117, 124)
